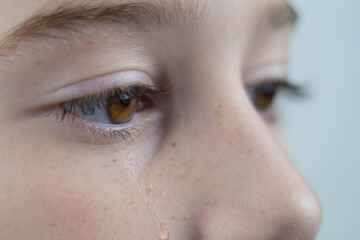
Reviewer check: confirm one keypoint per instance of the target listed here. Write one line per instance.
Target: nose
(251, 189)
(222, 174)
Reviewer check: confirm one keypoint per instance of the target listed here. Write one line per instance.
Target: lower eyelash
(102, 134)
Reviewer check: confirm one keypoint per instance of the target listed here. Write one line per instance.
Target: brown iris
(264, 95)
(122, 107)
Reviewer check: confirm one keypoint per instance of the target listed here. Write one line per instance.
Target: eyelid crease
(96, 85)
(255, 75)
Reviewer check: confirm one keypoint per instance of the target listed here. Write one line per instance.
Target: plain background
(323, 130)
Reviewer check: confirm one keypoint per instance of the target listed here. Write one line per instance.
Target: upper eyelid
(96, 85)
(258, 75)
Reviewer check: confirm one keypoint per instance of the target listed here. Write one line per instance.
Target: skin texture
(207, 165)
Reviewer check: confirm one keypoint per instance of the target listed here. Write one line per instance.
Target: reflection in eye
(121, 108)
(116, 106)
(263, 94)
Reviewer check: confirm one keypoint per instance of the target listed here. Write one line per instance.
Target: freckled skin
(38, 63)
(211, 167)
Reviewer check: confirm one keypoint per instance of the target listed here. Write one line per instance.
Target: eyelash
(148, 95)
(270, 89)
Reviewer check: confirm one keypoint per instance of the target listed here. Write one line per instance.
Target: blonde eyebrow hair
(279, 14)
(283, 14)
(142, 14)
(69, 18)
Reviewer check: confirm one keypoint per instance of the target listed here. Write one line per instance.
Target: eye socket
(263, 95)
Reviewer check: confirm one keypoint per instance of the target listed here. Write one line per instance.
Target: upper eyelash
(88, 104)
(295, 89)
(283, 84)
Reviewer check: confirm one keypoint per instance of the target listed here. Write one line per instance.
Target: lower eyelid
(80, 130)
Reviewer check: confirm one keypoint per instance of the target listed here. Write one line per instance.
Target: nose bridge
(254, 186)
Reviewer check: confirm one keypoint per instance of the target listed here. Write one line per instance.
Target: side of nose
(256, 192)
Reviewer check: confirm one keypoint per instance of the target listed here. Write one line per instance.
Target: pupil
(264, 95)
(125, 100)
(268, 89)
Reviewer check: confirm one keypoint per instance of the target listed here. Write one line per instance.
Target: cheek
(52, 198)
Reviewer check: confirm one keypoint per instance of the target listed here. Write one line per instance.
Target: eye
(263, 95)
(113, 107)
(121, 108)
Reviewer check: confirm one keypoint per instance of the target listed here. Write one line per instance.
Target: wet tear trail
(146, 192)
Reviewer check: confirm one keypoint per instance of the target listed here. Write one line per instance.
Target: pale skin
(206, 163)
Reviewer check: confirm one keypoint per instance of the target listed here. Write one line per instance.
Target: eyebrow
(279, 14)
(73, 18)
(141, 14)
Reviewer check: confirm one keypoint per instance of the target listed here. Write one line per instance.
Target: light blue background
(323, 131)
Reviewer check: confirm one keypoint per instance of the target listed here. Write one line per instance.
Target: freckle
(84, 221)
(250, 151)
(219, 123)
(173, 217)
(132, 202)
(105, 165)
(114, 160)
(172, 158)
(148, 191)
(106, 208)
(38, 63)
(90, 42)
(263, 212)
(173, 145)
(186, 217)
(197, 180)
(231, 144)
(183, 177)
(218, 113)
(160, 175)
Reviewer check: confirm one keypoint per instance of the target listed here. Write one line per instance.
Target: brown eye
(122, 107)
(264, 95)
